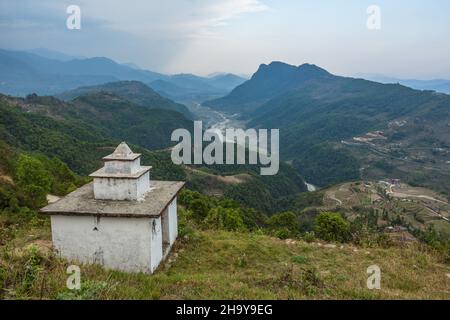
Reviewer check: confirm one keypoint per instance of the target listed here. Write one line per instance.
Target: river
(218, 120)
(215, 119)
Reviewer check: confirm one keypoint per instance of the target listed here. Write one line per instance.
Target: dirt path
(332, 195)
(232, 179)
(405, 195)
(437, 214)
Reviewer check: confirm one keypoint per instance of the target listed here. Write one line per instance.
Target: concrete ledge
(101, 173)
(81, 202)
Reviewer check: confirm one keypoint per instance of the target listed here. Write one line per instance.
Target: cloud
(204, 36)
(219, 13)
(149, 33)
(173, 19)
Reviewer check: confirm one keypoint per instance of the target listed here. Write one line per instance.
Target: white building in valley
(121, 220)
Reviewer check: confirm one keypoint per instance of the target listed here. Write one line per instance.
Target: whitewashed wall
(127, 244)
(173, 221)
(121, 189)
(143, 185)
(156, 244)
(123, 166)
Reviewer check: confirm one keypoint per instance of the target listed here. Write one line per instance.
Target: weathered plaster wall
(128, 244)
(156, 244)
(123, 166)
(121, 189)
(143, 185)
(173, 221)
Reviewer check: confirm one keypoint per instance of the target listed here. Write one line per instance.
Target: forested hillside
(133, 91)
(84, 130)
(79, 134)
(239, 226)
(94, 117)
(319, 115)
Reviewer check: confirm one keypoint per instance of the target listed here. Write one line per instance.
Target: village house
(122, 220)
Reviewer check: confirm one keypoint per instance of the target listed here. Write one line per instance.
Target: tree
(225, 218)
(199, 209)
(31, 171)
(284, 224)
(34, 180)
(331, 226)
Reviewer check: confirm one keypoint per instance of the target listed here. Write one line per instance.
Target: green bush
(36, 196)
(184, 226)
(282, 234)
(331, 226)
(31, 171)
(225, 219)
(199, 209)
(309, 236)
(284, 225)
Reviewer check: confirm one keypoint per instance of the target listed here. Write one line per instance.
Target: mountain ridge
(266, 83)
(319, 116)
(46, 72)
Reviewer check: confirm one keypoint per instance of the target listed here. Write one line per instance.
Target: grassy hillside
(226, 251)
(230, 265)
(417, 211)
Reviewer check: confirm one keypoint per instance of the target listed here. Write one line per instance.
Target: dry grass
(224, 265)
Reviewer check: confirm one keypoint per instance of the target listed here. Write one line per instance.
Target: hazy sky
(204, 36)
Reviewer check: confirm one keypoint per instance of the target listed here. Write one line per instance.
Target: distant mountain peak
(310, 66)
(274, 64)
(100, 60)
(278, 68)
(270, 81)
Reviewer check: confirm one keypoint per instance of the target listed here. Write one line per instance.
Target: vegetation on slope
(81, 134)
(133, 91)
(217, 264)
(225, 250)
(315, 111)
(251, 187)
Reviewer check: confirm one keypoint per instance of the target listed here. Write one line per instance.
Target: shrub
(225, 218)
(309, 236)
(186, 196)
(34, 180)
(184, 225)
(284, 225)
(199, 209)
(282, 234)
(331, 226)
(31, 171)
